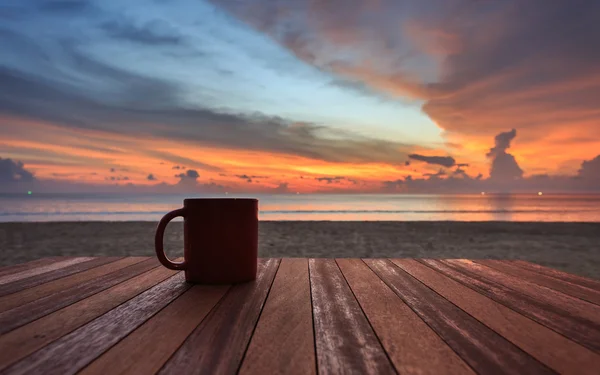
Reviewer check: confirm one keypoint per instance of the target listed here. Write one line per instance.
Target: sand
(571, 247)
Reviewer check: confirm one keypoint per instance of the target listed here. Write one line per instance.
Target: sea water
(367, 207)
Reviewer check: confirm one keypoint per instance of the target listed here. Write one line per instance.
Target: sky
(276, 96)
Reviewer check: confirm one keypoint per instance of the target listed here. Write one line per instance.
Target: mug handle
(158, 240)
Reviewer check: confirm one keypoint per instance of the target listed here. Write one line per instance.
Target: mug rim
(219, 199)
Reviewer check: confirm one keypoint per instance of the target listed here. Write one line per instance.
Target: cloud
(504, 166)
(178, 167)
(152, 33)
(150, 106)
(330, 180)
(590, 170)
(445, 161)
(282, 188)
(189, 175)
(14, 172)
(248, 178)
(475, 65)
(151, 177)
(112, 170)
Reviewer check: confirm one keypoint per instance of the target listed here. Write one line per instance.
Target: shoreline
(572, 247)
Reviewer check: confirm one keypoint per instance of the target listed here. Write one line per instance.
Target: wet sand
(571, 247)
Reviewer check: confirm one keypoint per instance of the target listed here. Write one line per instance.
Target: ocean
(491, 207)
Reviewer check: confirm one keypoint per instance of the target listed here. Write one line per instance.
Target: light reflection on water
(489, 207)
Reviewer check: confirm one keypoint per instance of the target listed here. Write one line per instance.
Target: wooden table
(370, 316)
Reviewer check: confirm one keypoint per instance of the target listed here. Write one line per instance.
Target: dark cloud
(190, 174)
(444, 161)
(89, 93)
(330, 180)
(14, 172)
(153, 33)
(504, 166)
(476, 65)
(151, 177)
(282, 188)
(248, 178)
(112, 170)
(177, 167)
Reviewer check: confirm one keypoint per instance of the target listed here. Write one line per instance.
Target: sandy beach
(571, 247)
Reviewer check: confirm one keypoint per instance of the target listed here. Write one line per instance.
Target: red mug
(220, 237)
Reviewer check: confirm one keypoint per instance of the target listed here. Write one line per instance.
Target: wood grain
(7, 270)
(575, 279)
(32, 281)
(345, 342)
(283, 342)
(151, 345)
(577, 329)
(413, 347)
(483, 349)
(74, 351)
(31, 294)
(28, 312)
(574, 290)
(574, 306)
(42, 269)
(218, 344)
(25, 340)
(550, 348)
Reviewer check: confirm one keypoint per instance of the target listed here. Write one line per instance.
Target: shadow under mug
(220, 238)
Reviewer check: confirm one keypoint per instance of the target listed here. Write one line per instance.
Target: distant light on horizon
(540, 193)
(483, 193)
(29, 192)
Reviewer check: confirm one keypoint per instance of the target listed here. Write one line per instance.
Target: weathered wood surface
(345, 341)
(26, 313)
(411, 344)
(305, 316)
(218, 344)
(574, 290)
(32, 294)
(575, 279)
(552, 316)
(547, 346)
(32, 281)
(283, 341)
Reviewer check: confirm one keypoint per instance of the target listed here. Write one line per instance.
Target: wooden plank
(283, 342)
(575, 279)
(17, 299)
(345, 342)
(74, 351)
(25, 340)
(550, 348)
(574, 290)
(411, 344)
(218, 344)
(574, 306)
(577, 329)
(146, 349)
(24, 314)
(8, 270)
(483, 349)
(32, 281)
(41, 270)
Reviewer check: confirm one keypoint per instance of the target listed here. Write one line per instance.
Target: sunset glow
(209, 96)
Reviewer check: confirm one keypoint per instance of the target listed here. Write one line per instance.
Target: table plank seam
(387, 355)
(312, 315)
(259, 315)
